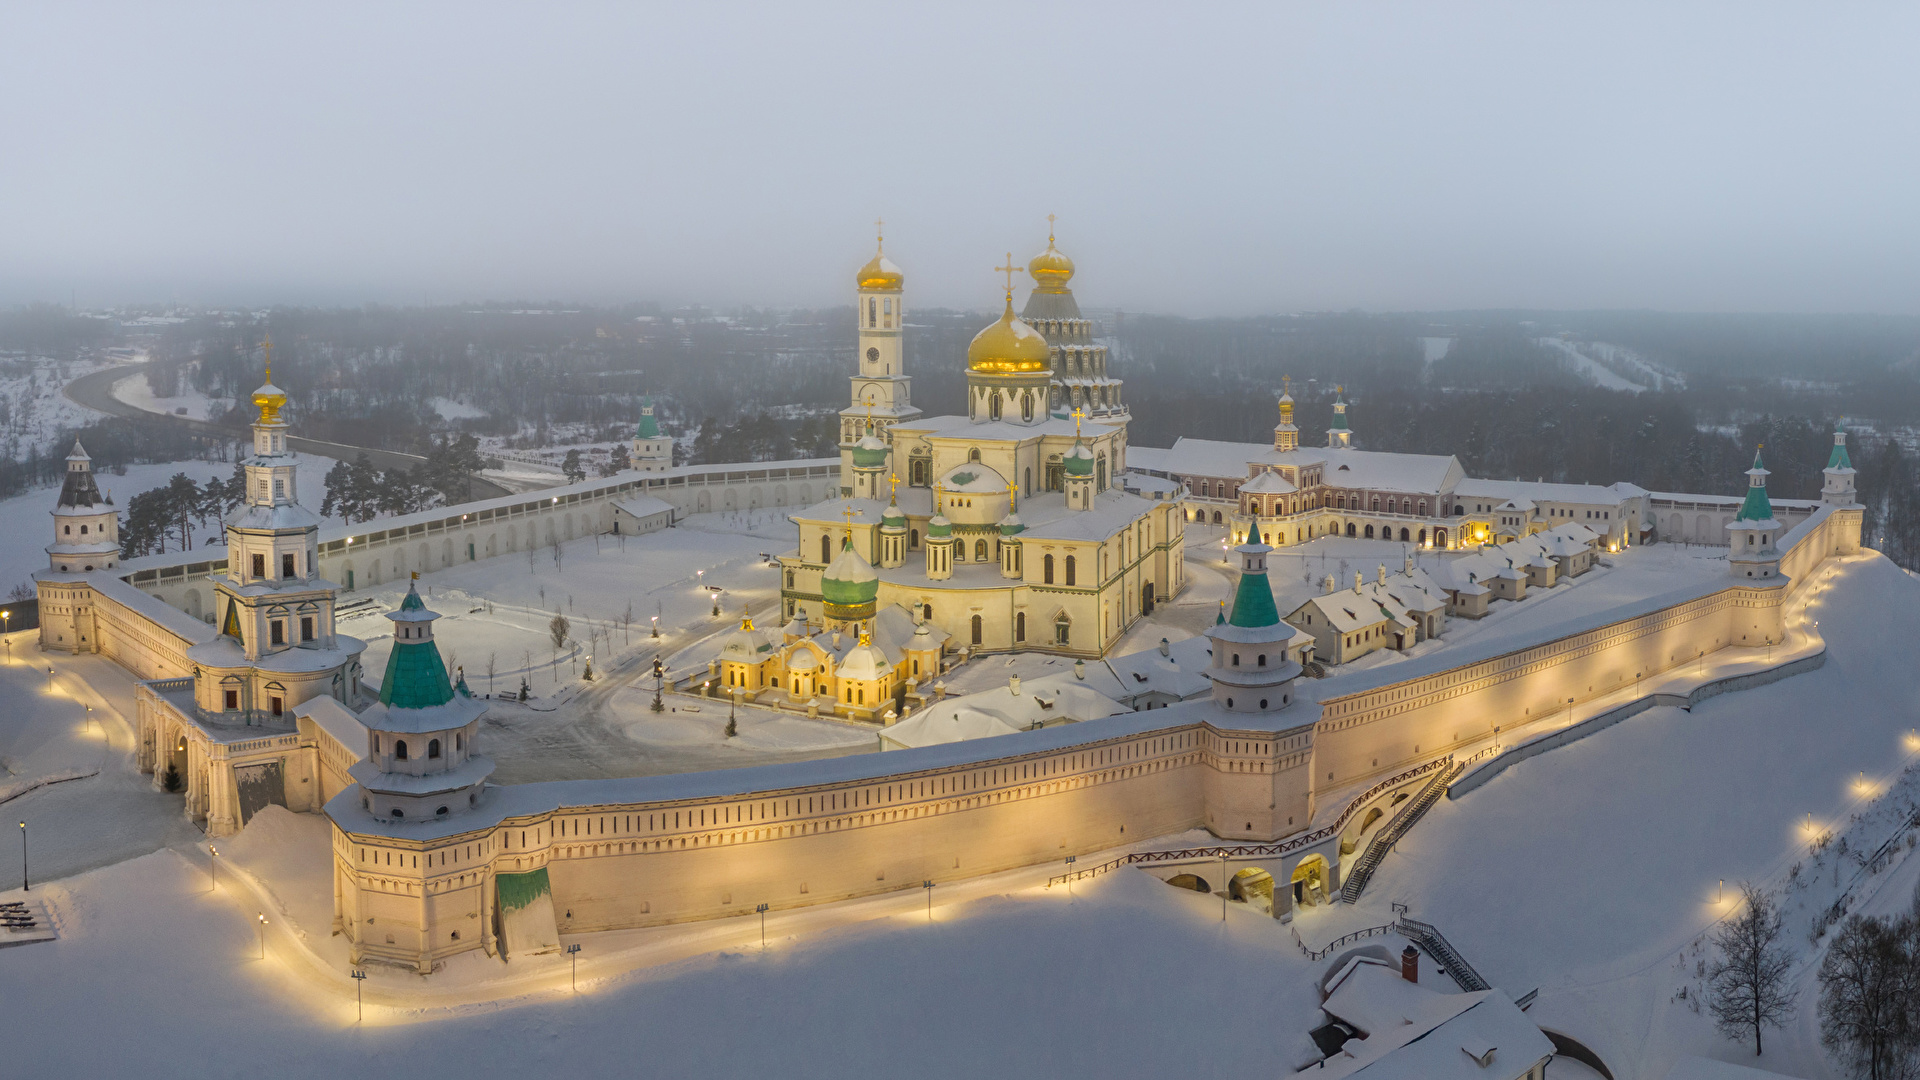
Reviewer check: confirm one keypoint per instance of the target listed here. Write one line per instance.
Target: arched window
(826, 549)
(1070, 570)
(400, 750)
(1216, 517)
(459, 741)
(1062, 629)
(1236, 659)
(433, 748)
(1403, 536)
(1026, 405)
(1369, 532)
(1020, 626)
(1350, 529)
(1027, 484)
(1261, 660)
(873, 312)
(973, 454)
(976, 629)
(789, 579)
(993, 410)
(1046, 570)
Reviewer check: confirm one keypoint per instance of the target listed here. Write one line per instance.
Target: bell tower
(1286, 437)
(882, 394)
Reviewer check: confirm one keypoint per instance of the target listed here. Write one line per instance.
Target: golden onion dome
(269, 399)
(880, 273)
(1009, 345)
(1050, 269)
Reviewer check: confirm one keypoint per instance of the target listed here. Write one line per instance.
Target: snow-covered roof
(643, 506)
(1001, 711)
(1268, 483)
(1541, 491)
(1413, 1033)
(1348, 468)
(1699, 1068)
(337, 721)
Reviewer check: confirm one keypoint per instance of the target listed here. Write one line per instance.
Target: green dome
(849, 586)
(1079, 460)
(938, 525)
(893, 518)
(648, 428)
(1011, 525)
(870, 453)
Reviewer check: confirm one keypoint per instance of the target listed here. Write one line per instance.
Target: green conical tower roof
(1253, 599)
(1339, 409)
(416, 677)
(1838, 459)
(649, 428)
(1757, 507)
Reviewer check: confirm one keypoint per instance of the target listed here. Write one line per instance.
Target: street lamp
(659, 670)
(25, 885)
(1071, 859)
(928, 886)
(762, 910)
(263, 935)
(213, 861)
(49, 678)
(359, 981)
(573, 952)
(1223, 886)
(656, 626)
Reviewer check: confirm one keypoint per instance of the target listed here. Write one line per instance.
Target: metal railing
(1362, 872)
(1344, 939)
(1256, 851)
(1444, 954)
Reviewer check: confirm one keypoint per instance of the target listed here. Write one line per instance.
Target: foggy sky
(1202, 159)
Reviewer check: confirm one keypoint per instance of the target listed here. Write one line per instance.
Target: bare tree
(1867, 995)
(490, 666)
(1749, 977)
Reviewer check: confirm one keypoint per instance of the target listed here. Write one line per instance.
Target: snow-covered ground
(26, 520)
(1434, 348)
(190, 403)
(1592, 871)
(34, 407)
(450, 409)
(1589, 368)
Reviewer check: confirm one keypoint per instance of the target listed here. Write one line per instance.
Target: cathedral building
(1005, 525)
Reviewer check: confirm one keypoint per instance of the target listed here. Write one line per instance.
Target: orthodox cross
(1078, 416)
(1049, 230)
(1286, 384)
(1008, 270)
(893, 485)
(266, 347)
(848, 514)
(879, 234)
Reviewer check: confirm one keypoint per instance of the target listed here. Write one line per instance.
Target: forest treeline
(763, 385)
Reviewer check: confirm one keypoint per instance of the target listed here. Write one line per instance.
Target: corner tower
(86, 527)
(1339, 435)
(882, 392)
(652, 451)
(1837, 490)
(1250, 669)
(1752, 531)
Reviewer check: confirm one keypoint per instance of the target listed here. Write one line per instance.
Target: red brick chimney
(1410, 964)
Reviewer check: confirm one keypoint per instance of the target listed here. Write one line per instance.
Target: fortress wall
(618, 865)
(1364, 736)
(389, 549)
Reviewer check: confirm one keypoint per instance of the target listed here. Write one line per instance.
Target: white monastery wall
(709, 845)
(389, 549)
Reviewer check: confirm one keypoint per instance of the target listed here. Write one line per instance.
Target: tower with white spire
(1339, 435)
(1837, 489)
(652, 451)
(86, 527)
(1752, 531)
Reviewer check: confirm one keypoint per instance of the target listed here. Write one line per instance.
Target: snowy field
(1589, 368)
(26, 520)
(190, 403)
(34, 406)
(1592, 871)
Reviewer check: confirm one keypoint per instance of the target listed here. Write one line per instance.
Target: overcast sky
(1202, 159)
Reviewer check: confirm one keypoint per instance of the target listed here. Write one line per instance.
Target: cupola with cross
(1339, 435)
(1286, 437)
(1837, 486)
(1009, 368)
(1251, 670)
(882, 393)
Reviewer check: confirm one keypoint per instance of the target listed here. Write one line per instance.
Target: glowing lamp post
(359, 981)
(762, 911)
(263, 935)
(213, 863)
(1071, 859)
(573, 953)
(25, 885)
(928, 886)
